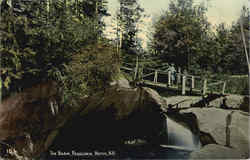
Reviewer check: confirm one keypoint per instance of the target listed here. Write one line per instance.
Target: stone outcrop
(34, 122)
(212, 122)
(214, 151)
(114, 117)
(244, 106)
(29, 120)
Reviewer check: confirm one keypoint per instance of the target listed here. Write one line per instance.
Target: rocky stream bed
(122, 122)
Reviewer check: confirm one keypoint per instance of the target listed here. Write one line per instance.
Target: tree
(230, 55)
(95, 10)
(222, 59)
(180, 33)
(239, 64)
(35, 49)
(128, 18)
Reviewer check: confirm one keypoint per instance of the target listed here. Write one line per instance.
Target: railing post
(169, 78)
(136, 67)
(224, 87)
(183, 85)
(179, 76)
(204, 86)
(135, 73)
(156, 76)
(192, 87)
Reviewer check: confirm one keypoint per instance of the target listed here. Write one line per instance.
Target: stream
(181, 137)
(180, 143)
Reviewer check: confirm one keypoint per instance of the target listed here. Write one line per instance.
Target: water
(181, 137)
(179, 144)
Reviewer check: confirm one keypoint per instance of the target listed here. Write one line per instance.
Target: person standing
(172, 73)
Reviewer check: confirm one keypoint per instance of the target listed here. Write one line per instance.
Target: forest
(184, 36)
(44, 40)
(58, 40)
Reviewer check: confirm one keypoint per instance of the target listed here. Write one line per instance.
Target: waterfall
(181, 137)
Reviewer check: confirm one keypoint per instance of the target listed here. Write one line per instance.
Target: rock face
(245, 104)
(34, 122)
(111, 118)
(213, 151)
(233, 101)
(212, 125)
(29, 120)
(212, 121)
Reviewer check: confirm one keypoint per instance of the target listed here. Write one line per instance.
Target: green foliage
(237, 85)
(94, 9)
(183, 36)
(179, 33)
(17, 58)
(129, 16)
(90, 70)
(43, 44)
(224, 48)
(229, 56)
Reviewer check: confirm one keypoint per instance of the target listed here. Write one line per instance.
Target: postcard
(124, 79)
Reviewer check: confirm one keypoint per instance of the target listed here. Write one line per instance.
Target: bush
(90, 70)
(64, 50)
(238, 85)
(234, 84)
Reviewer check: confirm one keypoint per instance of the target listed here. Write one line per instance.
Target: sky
(219, 11)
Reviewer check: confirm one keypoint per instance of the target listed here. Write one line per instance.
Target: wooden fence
(184, 82)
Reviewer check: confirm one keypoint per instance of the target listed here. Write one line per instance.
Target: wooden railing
(195, 82)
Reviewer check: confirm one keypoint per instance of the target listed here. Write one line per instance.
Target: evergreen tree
(96, 10)
(129, 16)
(180, 33)
(39, 43)
(229, 55)
(238, 64)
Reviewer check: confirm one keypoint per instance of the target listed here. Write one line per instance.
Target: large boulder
(212, 123)
(214, 151)
(34, 119)
(232, 101)
(245, 104)
(29, 120)
(119, 115)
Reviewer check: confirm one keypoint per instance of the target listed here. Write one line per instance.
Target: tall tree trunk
(247, 55)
